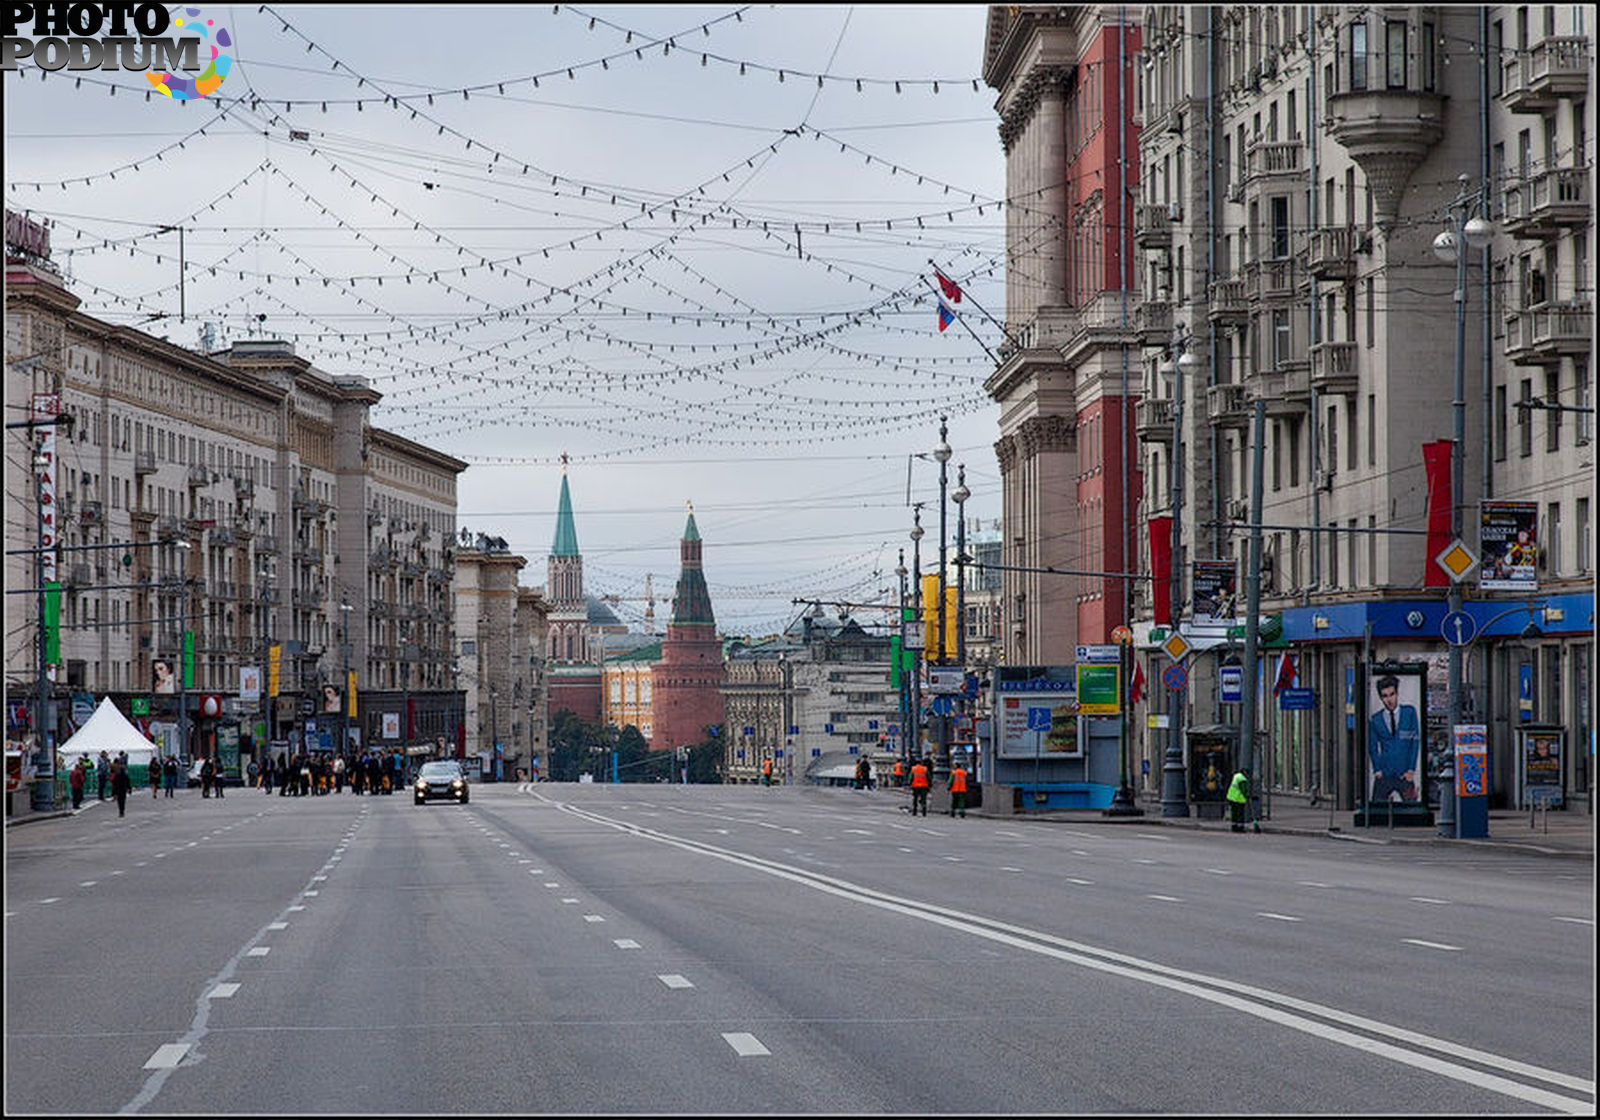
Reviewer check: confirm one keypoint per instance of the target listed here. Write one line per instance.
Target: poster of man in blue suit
(1394, 738)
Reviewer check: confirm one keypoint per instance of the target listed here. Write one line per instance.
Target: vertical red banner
(1161, 568)
(1436, 458)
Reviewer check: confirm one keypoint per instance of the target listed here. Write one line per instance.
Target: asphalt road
(606, 949)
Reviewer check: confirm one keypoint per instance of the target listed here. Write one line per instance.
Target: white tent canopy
(107, 730)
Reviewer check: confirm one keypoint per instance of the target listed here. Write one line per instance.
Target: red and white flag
(1136, 687)
(1286, 674)
(952, 290)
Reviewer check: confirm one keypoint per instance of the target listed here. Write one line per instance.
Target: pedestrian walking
(219, 777)
(304, 788)
(253, 772)
(958, 790)
(169, 773)
(154, 770)
(921, 781)
(102, 771)
(75, 780)
(266, 772)
(766, 772)
(1239, 799)
(899, 773)
(121, 786)
(206, 770)
(338, 774)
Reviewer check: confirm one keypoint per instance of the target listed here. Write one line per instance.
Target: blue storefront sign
(1297, 699)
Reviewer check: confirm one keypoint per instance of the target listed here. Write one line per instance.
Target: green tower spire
(566, 543)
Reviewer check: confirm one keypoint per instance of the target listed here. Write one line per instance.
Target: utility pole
(1252, 610)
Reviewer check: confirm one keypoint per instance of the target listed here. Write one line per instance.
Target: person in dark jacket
(169, 774)
(206, 770)
(75, 779)
(121, 786)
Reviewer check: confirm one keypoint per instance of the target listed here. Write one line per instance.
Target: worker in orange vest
(766, 772)
(899, 772)
(958, 790)
(919, 787)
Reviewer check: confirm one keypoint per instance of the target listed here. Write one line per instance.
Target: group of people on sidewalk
(109, 775)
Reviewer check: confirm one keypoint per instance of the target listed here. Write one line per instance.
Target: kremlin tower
(687, 681)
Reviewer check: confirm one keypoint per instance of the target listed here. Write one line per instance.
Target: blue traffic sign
(1458, 628)
(942, 706)
(1038, 719)
(1232, 684)
(1176, 675)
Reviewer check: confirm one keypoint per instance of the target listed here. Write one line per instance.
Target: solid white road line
(593, 918)
(626, 943)
(1579, 921)
(259, 951)
(1277, 917)
(1163, 898)
(1431, 901)
(1431, 944)
(167, 1056)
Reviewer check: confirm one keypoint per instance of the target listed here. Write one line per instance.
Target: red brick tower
(687, 682)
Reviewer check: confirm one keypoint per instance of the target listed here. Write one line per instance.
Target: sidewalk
(1562, 832)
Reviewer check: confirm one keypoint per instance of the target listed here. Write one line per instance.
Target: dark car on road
(440, 781)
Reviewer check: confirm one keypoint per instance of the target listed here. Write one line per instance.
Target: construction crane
(648, 599)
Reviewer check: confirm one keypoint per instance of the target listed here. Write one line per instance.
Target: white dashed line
(89, 883)
(1011, 869)
(48, 901)
(1144, 861)
(1431, 901)
(1217, 871)
(626, 943)
(311, 894)
(168, 1056)
(568, 901)
(552, 884)
(745, 1045)
(278, 925)
(1277, 917)
(673, 980)
(1311, 883)
(1579, 921)
(1163, 898)
(258, 951)
(222, 991)
(593, 918)
(1431, 945)
(1081, 882)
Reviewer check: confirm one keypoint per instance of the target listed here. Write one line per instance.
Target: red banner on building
(1161, 568)
(1436, 460)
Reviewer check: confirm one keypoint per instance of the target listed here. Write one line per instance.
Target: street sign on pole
(1458, 628)
(1038, 719)
(1231, 679)
(1175, 676)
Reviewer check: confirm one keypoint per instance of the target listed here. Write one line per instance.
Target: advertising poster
(1508, 541)
(1541, 766)
(1395, 698)
(391, 725)
(250, 684)
(1216, 590)
(1018, 741)
(163, 681)
(1472, 760)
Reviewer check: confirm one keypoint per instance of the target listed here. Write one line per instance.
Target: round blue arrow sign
(1458, 628)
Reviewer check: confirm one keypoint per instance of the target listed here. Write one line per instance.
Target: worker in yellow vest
(1239, 799)
(920, 783)
(958, 790)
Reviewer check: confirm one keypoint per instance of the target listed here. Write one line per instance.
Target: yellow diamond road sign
(1176, 646)
(1457, 560)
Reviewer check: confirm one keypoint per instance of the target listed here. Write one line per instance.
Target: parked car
(440, 781)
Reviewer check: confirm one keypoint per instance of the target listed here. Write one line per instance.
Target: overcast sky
(701, 280)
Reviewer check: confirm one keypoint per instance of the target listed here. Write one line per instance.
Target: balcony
(1271, 281)
(92, 513)
(79, 575)
(308, 599)
(1287, 392)
(266, 542)
(144, 462)
(1539, 336)
(1335, 367)
(1229, 303)
(1153, 318)
(1554, 68)
(223, 534)
(1152, 225)
(1273, 160)
(1331, 252)
(1227, 406)
(199, 476)
(1549, 202)
(169, 528)
(244, 488)
(1154, 420)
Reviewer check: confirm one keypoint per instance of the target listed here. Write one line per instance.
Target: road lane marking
(1217, 871)
(1369, 1036)
(552, 884)
(1579, 921)
(223, 991)
(1011, 869)
(625, 943)
(88, 883)
(673, 980)
(1163, 898)
(1082, 882)
(593, 918)
(277, 925)
(1431, 944)
(1311, 883)
(258, 951)
(568, 901)
(1144, 861)
(745, 1045)
(1431, 901)
(1277, 917)
(311, 894)
(167, 1056)
(1153, 836)
(48, 901)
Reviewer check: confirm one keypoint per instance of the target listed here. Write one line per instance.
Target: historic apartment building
(256, 508)
(1288, 171)
(500, 671)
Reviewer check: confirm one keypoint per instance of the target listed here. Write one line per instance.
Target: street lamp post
(905, 684)
(1451, 246)
(345, 688)
(1174, 803)
(916, 592)
(960, 497)
(941, 766)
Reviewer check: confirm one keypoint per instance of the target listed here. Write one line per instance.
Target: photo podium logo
(185, 54)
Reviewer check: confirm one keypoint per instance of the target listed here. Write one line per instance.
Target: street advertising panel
(1099, 693)
(1508, 543)
(1022, 734)
(1394, 706)
(391, 725)
(1216, 590)
(1541, 765)
(1472, 759)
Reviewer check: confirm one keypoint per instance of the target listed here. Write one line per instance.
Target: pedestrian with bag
(121, 786)
(206, 770)
(169, 774)
(921, 782)
(1239, 799)
(958, 790)
(75, 779)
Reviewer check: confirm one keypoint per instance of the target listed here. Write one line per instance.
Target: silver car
(440, 781)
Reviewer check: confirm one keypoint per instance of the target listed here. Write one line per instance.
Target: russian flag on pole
(1286, 675)
(946, 316)
(952, 290)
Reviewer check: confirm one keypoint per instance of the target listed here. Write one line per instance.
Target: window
(1427, 63)
(1372, 314)
(1280, 227)
(1277, 455)
(1372, 549)
(1497, 48)
(1350, 433)
(1583, 535)
(1358, 56)
(1333, 438)
(1294, 453)
(1294, 127)
(1281, 338)
(1395, 54)
(1525, 420)
(1333, 554)
(1372, 430)
(1552, 548)
(1499, 423)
